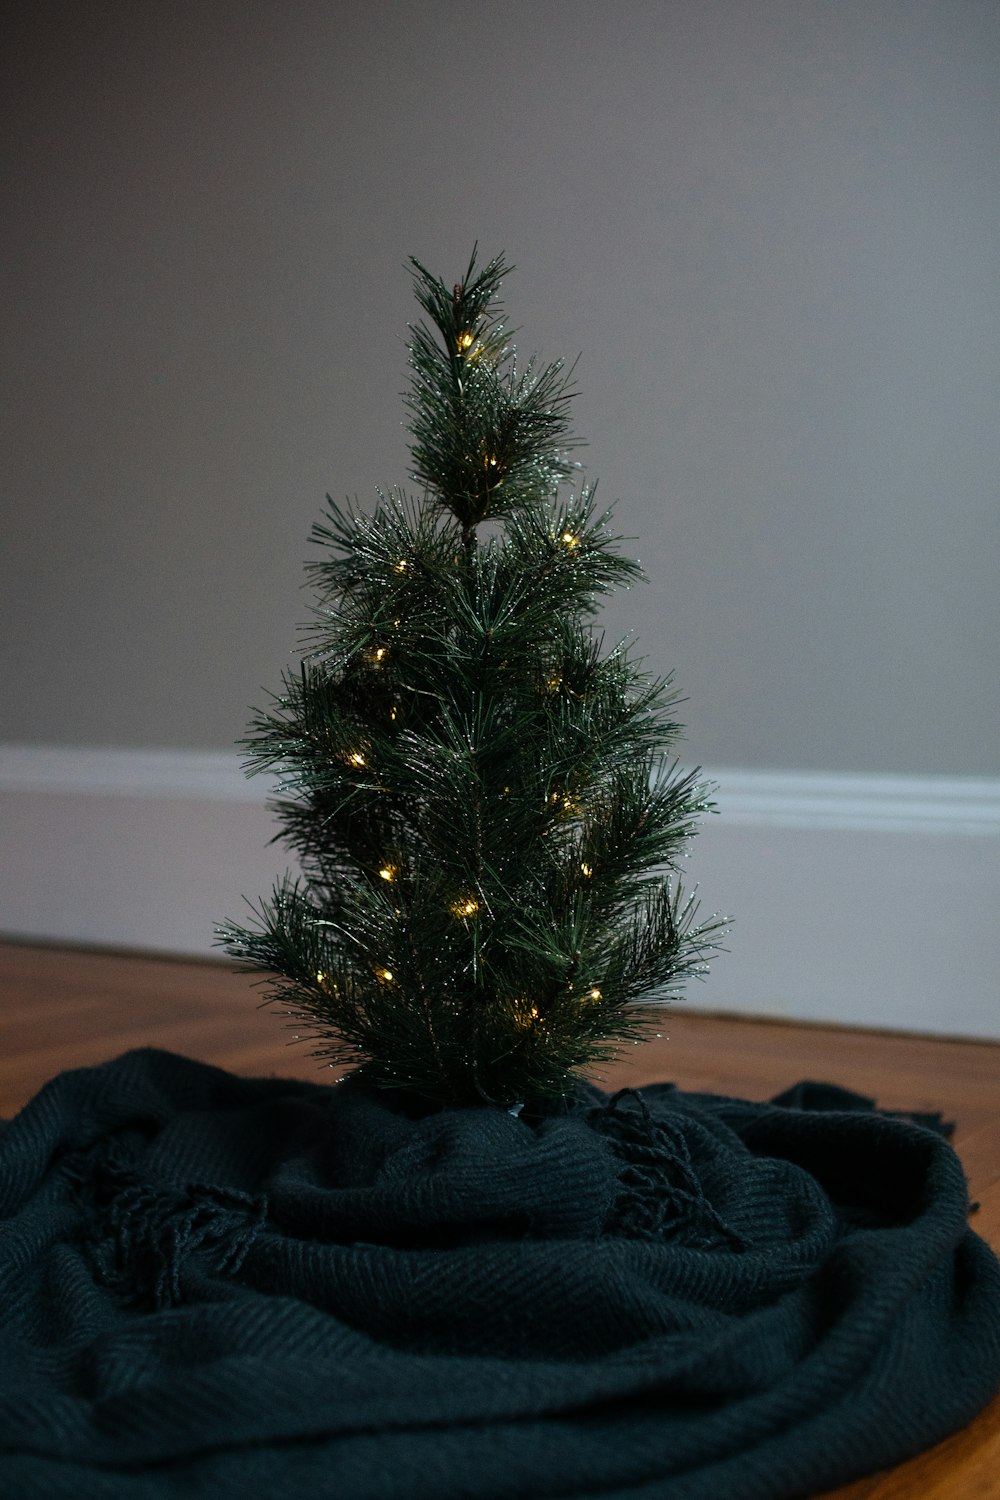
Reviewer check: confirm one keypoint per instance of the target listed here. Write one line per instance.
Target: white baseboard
(869, 804)
(868, 900)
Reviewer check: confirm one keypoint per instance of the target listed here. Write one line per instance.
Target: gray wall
(770, 228)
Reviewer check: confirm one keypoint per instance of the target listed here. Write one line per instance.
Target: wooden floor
(62, 1009)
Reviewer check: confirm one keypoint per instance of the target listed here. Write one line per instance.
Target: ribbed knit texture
(213, 1287)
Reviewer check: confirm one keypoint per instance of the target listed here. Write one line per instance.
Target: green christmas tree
(482, 800)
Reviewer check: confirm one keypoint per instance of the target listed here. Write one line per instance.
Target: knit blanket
(216, 1287)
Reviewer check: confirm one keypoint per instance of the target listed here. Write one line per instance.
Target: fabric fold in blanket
(218, 1287)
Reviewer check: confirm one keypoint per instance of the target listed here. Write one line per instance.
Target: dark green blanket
(214, 1287)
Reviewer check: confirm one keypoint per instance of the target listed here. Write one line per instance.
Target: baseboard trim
(968, 806)
(900, 804)
(86, 770)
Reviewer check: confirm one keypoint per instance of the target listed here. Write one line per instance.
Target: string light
(465, 340)
(489, 460)
(401, 566)
(378, 655)
(355, 758)
(595, 995)
(393, 711)
(465, 906)
(586, 870)
(388, 873)
(570, 539)
(384, 976)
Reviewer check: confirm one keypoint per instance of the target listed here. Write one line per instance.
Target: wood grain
(63, 1008)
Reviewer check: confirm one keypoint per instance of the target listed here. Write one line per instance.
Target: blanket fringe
(662, 1196)
(147, 1234)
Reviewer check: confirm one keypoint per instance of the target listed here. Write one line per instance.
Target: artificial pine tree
(482, 800)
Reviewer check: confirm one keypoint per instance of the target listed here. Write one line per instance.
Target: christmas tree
(482, 800)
